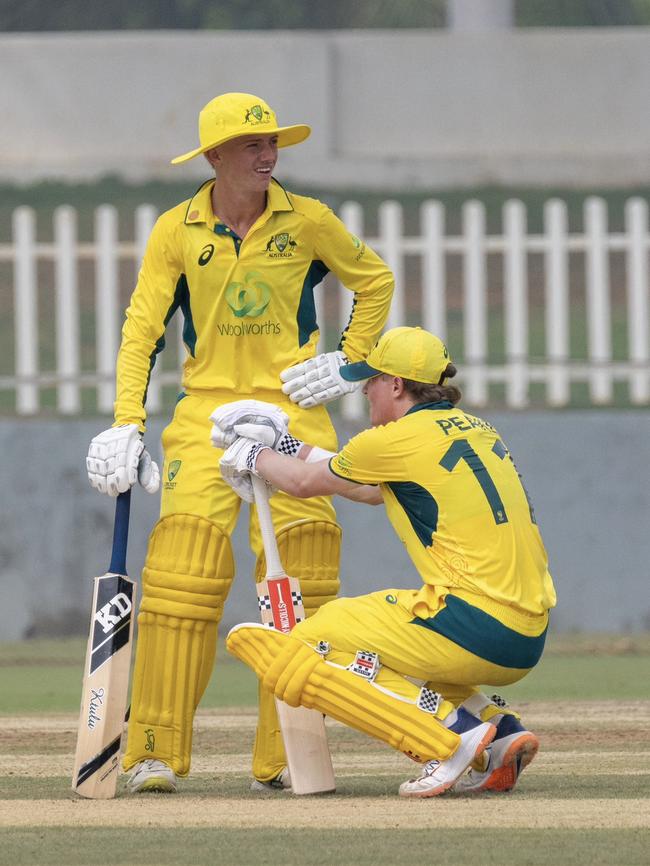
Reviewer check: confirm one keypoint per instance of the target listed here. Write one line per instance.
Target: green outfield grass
(426, 847)
(44, 676)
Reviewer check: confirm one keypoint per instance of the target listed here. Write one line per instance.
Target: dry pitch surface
(592, 772)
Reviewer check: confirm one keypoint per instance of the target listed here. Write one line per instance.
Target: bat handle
(273, 564)
(120, 533)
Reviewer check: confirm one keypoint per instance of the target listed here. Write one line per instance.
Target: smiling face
(246, 162)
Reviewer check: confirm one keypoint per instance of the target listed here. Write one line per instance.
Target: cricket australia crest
(256, 115)
(280, 246)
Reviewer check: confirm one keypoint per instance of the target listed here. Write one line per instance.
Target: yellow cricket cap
(232, 115)
(411, 353)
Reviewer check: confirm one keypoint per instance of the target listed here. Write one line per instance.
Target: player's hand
(148, 472)
(117, 459)
(237, 464)
(254, 419)
(317, 380)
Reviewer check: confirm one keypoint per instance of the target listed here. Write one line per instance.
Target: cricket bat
(106, 671)
(280, 602)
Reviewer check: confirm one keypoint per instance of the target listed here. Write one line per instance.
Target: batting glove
(317, 380)
(262, 421)
(117, 459)
(237, 465)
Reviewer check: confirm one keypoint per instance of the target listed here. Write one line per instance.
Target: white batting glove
(263, 421)
(117, 459)
(238, 463)
(148, 473)
(317, 380)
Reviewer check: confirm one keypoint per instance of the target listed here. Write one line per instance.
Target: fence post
(599, 340)
(556, 320)
(106, 312)
(25, 310)
(352, 216)
(636, 223)
(391, 231)
(67, 310)
(475, 322)
(515, 297)
(434, 295)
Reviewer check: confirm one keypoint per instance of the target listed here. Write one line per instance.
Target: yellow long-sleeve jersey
(248, 304)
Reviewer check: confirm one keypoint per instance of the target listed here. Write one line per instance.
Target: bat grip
(120, 533)
(273, 564)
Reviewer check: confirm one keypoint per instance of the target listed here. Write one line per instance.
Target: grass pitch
(584, 800)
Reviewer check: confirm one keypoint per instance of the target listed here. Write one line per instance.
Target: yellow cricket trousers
(469, 641)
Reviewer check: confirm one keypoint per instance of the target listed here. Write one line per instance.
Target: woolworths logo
(250, 298)
(250, 329)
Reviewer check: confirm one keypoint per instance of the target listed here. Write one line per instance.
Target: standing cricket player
(240, 260)
(456, 500)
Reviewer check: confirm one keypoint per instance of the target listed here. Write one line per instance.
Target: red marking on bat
(284, 615)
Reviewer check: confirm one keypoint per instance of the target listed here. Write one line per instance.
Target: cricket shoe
(438, 776)
(152, 776)
(282, 782)
(511, 751)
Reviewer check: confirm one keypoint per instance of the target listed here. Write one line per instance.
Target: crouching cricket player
(456, 500)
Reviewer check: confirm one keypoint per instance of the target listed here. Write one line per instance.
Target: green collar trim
(440, 404)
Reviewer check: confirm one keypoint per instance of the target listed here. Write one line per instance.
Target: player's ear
(398, 386)
(212, 157)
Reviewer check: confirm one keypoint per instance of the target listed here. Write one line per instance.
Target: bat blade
(105, 687)
(303, 730)
(308, 754)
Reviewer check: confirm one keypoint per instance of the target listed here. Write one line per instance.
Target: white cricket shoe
(438, 776)
(511, 751)
(282, 782)
(152, 775)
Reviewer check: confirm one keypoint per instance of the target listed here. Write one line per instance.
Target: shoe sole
(155, 786)
(517, 757)
(258, 787)
(435, 792)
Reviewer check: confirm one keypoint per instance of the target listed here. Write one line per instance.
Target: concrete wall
(389, 109)
(587, 472)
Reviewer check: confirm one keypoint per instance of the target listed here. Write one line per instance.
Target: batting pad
(309, 550)
(188, 572)
(298, 675)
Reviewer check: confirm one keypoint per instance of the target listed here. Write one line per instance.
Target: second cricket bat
(106, 671)
(280, 602)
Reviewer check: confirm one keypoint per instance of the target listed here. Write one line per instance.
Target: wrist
(289, 445)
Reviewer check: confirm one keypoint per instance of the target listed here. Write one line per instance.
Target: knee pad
(310, 550)
(298, 675)
(188, 571)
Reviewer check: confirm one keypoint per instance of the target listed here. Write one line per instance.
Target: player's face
(379, 391)
(247, 162)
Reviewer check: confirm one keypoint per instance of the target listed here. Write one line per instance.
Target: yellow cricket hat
(411, 353)
(232, 115)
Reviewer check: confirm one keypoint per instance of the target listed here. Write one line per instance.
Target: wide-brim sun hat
(233, 115)
(411, 353)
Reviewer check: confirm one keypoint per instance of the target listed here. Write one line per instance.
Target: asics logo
(206, 255)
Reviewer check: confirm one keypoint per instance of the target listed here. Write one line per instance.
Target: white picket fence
(556, 370)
